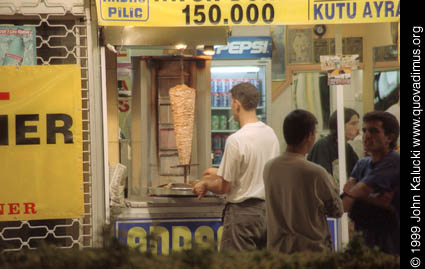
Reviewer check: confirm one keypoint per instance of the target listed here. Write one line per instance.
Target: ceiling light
(181, 46)
(208, 50)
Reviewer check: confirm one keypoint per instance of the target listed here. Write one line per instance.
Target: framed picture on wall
(353, 45)
(326, 46)
(385, 53)
(321, 47)
(278, 52)
(300, 46)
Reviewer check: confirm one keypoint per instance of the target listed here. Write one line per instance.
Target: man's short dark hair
(333, 120)
(389, 124)
(298, 125)
(247, 94)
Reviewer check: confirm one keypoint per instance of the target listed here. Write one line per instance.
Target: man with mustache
(372, 193)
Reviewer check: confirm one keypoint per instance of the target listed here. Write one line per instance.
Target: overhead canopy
(171, 13)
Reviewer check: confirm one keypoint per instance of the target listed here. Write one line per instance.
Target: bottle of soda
(213, 91)
(227, 88)
(216, 142)
(223, 141)
(221, 155)
(220, 89)
(223, 122)
(215, 122)
(218, 155)
(262, 93)
(224, 92)
(233, 125)
(215, 160)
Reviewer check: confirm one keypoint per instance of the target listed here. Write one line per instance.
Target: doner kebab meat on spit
(183, 108)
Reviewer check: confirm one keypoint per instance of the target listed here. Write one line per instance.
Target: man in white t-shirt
(240, 175)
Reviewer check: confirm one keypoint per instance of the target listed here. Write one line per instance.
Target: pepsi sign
(241, 47)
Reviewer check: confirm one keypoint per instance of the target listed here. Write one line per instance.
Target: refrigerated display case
(244, 59)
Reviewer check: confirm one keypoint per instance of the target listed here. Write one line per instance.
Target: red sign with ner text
(4, 96)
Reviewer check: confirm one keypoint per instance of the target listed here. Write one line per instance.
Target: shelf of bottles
(222, 122)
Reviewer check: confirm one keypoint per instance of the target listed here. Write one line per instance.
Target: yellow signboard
(167, 13)
(40, 143)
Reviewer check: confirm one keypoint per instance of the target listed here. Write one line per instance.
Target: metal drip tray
(172, 189)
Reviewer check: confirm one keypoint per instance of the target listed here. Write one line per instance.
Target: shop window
(310, 91)
(385, 85)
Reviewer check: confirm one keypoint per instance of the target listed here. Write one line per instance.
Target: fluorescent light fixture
(181, 46)
(235, 69)
(208, 50)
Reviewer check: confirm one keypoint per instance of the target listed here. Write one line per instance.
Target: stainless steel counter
(177, 222)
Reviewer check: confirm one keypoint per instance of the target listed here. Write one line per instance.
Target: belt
(252, 200)
(249, 200)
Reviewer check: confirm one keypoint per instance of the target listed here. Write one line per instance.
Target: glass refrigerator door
(224, 76)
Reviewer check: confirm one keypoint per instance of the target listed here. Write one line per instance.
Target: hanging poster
(339, 68)
(17, 45)
(339, 77)
(41, 143)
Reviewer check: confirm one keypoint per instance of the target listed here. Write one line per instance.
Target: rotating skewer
(186, 169)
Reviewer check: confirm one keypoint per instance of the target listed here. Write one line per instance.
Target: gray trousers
(244, 225)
